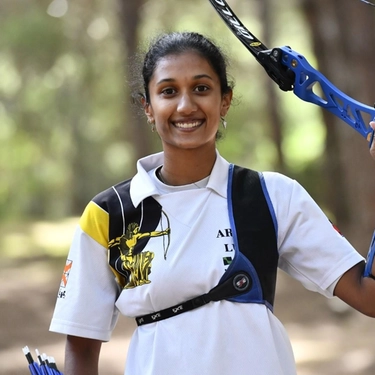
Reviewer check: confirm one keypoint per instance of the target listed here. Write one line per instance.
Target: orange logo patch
(66, 272)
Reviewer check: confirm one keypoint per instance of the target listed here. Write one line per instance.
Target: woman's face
(186, 102)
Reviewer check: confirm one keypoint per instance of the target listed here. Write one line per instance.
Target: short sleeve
(88, 291)
(311, 250)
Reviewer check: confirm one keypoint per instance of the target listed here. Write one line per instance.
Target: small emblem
(241, 282)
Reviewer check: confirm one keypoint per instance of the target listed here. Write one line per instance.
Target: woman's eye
(168, 91)
(201, 88)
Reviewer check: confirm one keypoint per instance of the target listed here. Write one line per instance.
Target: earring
(152, 123)
(223, 122)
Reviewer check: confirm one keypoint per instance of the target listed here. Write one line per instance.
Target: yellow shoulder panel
(95, 222)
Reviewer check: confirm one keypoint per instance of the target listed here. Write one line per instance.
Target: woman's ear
(225, 103)
(148, 111)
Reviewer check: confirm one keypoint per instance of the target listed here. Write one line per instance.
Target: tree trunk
(273, 106)
(137, 130)
(343, 36)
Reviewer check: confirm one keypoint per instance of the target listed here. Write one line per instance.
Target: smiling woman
(186, 95)
(186, 104)
(190, 246)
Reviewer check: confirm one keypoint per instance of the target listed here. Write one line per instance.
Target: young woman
(167, 237)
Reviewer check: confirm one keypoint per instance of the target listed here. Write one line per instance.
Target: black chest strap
(237, 284)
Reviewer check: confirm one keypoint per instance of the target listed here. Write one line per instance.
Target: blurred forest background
(68, 129)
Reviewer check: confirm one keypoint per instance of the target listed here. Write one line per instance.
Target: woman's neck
(187, 166)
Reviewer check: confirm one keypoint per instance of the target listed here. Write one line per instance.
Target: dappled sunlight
(98, 29)
(358, 360)
(313, 343)
(345, 347)
(313, 351)
(57, 8)
(313, 354)
(54, 236)
(35, 239)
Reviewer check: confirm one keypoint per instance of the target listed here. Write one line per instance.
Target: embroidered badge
(64, 278)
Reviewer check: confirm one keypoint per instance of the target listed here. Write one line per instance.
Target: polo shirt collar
(142, 186)
(219, 176)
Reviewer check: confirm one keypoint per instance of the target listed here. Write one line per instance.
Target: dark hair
(180, 42)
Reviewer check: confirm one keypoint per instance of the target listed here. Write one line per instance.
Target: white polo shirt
(220, 338)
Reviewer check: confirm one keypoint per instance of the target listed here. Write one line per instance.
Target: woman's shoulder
(111, 195)
(278, 179)
(280, 186)
(286, 190)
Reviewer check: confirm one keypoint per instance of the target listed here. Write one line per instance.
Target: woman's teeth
(187, 125)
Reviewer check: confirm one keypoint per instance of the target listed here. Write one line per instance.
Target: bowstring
(162, 228)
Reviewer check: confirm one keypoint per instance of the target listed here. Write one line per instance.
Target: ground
(327, 339)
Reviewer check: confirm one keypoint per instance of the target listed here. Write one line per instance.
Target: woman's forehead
(186, 63)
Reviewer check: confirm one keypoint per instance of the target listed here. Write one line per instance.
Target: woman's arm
(357, 291)
(354, 289)
(81, 356)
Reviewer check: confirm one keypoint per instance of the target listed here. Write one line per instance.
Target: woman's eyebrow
(165, 80)
(198, 76)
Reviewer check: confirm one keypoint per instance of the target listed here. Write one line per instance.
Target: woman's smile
(187, 124)
(186, 102)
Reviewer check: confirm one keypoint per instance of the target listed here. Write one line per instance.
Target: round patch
(242, 282)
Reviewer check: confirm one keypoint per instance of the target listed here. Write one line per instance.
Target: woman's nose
(186, 104)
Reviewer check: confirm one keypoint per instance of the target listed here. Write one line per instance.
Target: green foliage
(63, 133)
(61, 106)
